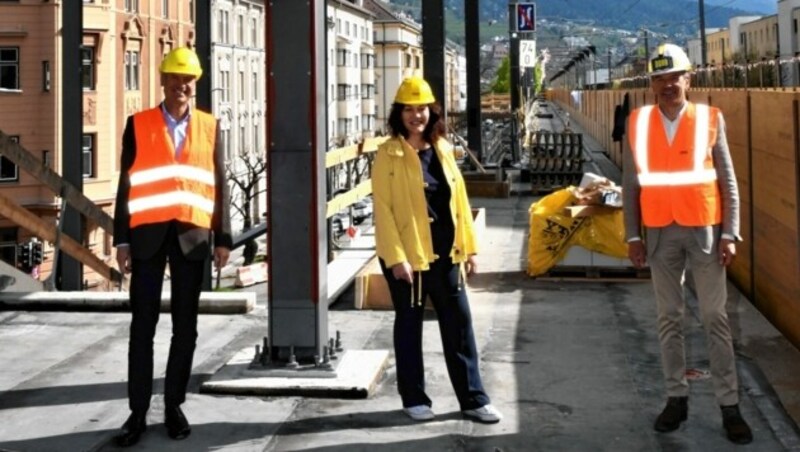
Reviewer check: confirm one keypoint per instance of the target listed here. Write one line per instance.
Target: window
(254, 32)
(367, 60)
(45, 76)
(241, 86)
(224, 85)
(254, 87)
(418, 62)
(342, 55)
(87, 148)
(223, 28)
(256, 137)
(225, 135)
(408, 60)
(191, 11)
(9, 67)
(367, 91)
(242, 139)
(87, 68)
(46, 159)
(240, 25)
(132, 70)
(132, 6)
(344, 92)
(165, 8)
(8, 245)
(8, 170)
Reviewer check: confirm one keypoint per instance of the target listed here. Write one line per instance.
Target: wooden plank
(33, 166)
(349, 198)
(775, 182)
(772, 124)
(47, 231)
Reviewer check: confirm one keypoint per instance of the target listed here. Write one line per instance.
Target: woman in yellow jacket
(424, 235)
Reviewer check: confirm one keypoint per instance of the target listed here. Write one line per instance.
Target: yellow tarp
(553, 232)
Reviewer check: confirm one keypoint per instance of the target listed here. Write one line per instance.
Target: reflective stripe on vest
(698, 175)
(166, 189)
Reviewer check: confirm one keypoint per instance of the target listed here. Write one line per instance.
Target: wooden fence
(763, 131)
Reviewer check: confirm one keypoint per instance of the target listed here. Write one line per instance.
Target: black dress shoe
(177, 425)
(131, 430)
(674, 413)
(735, 426)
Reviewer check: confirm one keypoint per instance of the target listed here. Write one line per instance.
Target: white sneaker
(419, 412)
(486, 414)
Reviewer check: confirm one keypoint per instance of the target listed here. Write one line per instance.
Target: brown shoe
(674, 413)
(737, 429)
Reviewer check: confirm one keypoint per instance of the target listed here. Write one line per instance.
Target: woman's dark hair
(433, 130)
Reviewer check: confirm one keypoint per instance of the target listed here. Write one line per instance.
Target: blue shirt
(177, 128)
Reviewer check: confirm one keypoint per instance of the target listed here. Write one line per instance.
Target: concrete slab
(355, 377)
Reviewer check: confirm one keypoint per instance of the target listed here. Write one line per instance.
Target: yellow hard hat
(182, 60)
(668, 58)
(414, 91)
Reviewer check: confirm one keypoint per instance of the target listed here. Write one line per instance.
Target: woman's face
(415, 118)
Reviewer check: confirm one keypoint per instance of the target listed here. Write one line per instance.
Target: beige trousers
(678, 247)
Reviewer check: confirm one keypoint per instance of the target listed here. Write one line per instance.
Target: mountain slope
(673, 17)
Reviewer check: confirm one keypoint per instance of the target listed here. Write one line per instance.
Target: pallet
(596, 273)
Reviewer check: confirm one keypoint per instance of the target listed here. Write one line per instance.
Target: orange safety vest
(164, 188)
(678, 181)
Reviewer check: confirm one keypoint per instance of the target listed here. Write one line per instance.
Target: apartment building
(238, 100)
(351, 72)
(123, 43)
(718, 47)
(759, 38)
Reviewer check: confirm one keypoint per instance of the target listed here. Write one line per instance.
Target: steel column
(296, 118)
(473, 50)
(70, 271)
(433, 55)
(202, 32)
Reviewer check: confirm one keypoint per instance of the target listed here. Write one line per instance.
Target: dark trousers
(147, 277)
(442, 283)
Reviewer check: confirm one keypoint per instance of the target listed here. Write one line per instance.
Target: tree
(247, 188)
(502, 81)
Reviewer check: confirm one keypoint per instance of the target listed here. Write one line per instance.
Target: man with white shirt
(681, 208)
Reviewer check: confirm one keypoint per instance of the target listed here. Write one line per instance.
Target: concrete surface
(573, 366)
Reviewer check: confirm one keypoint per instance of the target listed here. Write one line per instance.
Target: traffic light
(37, 253)
(24, 254)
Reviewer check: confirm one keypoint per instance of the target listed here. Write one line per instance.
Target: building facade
(759, 38)
(238, 58)
(351, 73)
(123, 43)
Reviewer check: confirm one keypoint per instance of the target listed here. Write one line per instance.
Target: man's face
(178, 88)
(670, 88)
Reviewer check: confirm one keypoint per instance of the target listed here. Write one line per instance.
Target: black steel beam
(473, 50)
(69, 271)
(202, 30)
(433, 48)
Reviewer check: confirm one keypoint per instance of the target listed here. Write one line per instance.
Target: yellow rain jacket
(402, 225)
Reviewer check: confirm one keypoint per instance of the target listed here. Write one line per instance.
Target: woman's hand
(472, 265)
(403, 272)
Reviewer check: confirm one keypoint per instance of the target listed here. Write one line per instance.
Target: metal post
(203, 89)
(472, 38)
(513, 59)
(296, 142)
(609, 68)
(433, 49)
(70, 270)
(701, 5)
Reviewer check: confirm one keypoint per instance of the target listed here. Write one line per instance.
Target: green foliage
(538, 76)
(502, 80)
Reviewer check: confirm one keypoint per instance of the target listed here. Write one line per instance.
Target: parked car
(361, 211)
(340, 221)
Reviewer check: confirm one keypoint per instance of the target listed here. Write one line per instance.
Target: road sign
(527, 53)
(526, 17)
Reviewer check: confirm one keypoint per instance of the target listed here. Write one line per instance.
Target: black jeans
(147, 277)
(442, 283)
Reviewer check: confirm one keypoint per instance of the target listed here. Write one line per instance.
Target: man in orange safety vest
(681, 209)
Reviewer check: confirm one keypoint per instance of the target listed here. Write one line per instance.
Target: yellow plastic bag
(553, 232)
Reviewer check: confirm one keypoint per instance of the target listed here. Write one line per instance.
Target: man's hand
(403, 272)
(472, 265)
(221, 255)
(727, 251)
(637, 253)
(124, 259)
